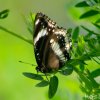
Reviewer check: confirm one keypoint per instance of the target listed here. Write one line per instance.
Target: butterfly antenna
(27, 63)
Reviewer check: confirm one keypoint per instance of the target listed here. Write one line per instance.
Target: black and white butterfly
(52, 44)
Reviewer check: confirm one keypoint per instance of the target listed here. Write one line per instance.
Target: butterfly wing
(57, 45)
(41, 35)
(51, 45)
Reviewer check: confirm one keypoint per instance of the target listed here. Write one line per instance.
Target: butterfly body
(51, 44)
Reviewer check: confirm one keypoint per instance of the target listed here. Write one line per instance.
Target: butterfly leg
(37, 69)
(46, 77)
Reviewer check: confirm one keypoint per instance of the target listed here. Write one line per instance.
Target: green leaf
(82, 4)
(53, 85)
(82, 67)
(30, 23)
(97, 25)
(78, 51)
(32, 15)
(81, 45)
(87, 36)
(4, 14)
(43, 83)
(97, 91)
(29, 26)
(83, 89)
(97, 21)
(67, 70)
(92, 43)
(93, 82)
(89, 14)
(96, 61)
(75, 33)
(88, 30)
(94, 54)
(33, 76)
(95, 73)
(93, 47)
(87, 82)
(85, 57)
(97, 1)
(74, 62)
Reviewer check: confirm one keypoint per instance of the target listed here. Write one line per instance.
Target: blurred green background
(15, 86)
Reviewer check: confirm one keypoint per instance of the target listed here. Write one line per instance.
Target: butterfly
(52, 44)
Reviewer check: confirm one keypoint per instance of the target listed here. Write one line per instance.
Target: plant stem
(16, 35)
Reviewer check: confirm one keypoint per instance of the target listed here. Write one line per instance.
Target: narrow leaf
(97, 91)
(4, 14)
(85, 57)
(75, 33)
(95, 54)
(97, 1)
(97, 25)
(43, 83)
(81, 45)
(93, 82)
(97, 21)
(83, 89)
(33, 76)
(82, 4)
(92, 32)
(82, 67)
(89, 14)
(95, 73)
(87, 82)
(87, 36)
(75, 62)
(53, 86)
(30, 22)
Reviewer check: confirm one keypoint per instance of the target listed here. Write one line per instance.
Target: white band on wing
(42, 33)
(57, 51)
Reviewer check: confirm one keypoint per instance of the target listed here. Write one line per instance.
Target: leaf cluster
(93, 5)
(88, 49)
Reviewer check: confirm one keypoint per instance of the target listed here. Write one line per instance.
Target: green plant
(90, 51)
(85, 48)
